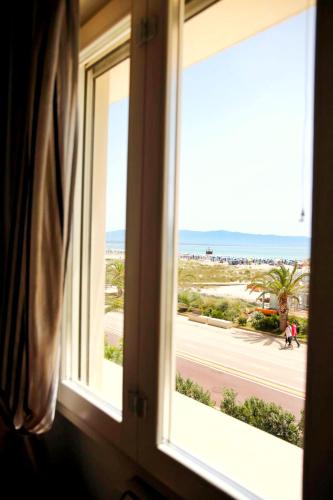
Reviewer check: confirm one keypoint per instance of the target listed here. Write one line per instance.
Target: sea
(258, 251)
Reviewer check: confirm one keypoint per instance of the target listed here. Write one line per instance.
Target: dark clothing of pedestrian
(288, 334)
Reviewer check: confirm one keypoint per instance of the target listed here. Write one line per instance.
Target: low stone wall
(220, 323)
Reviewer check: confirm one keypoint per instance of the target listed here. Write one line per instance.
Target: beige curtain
(38, 154)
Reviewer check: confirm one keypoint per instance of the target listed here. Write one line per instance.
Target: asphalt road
(253, 364)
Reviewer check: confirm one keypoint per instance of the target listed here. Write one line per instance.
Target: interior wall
(113, 12)
(66, 463)
(102, 472)
(88, 9)
(42, 466)
(94, 470)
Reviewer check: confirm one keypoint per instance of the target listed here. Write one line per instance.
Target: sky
(246, 137)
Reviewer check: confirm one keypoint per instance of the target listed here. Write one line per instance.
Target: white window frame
(75, 400)
(166, 462)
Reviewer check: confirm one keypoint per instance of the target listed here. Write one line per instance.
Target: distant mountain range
(231, 238)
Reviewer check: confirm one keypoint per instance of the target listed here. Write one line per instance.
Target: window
(245, 172)
(187, 429)
(136, 407)
(94, 317)
(101, 346)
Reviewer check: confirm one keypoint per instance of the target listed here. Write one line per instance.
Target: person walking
(288, 334)
(294, 333)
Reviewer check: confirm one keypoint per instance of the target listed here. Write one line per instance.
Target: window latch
(148, 29)
(137, 404)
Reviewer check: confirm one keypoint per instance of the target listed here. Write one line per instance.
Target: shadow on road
(258, 338)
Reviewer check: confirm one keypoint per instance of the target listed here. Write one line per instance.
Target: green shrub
(256, 319)
(266, 323)
(215, 313)
(208, 304)
(301, 428)
(268, 417)
(229, 405)
(232, 313)
(222, 305)
(193, 390)
(113, 303)
(221, 308)
(231, 308)
(301, 323)
(301, 422)
(114, 352)
(188, 300)
(242, 320)
(228, 309)
(257, 316)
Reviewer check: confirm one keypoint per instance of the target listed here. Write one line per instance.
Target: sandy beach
(238, 291)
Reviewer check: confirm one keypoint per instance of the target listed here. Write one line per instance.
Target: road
(253, 364)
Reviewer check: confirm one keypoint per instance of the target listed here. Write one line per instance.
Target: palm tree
(113, 303)
(283, 283)
(115, 276)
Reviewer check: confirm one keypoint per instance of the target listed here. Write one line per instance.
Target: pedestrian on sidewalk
(288, 335)
(294, 333)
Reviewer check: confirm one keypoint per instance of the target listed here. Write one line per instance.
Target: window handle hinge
(137, 404)
(148, 29)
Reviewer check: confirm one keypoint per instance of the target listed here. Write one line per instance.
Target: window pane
(244, 228)
(108, 222)
(115, 227)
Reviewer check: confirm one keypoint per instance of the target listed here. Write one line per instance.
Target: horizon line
(229, 231)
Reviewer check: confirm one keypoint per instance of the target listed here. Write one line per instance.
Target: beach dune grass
(194, 273)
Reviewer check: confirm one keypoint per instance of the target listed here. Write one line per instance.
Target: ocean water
(254, 251)
(247, 251)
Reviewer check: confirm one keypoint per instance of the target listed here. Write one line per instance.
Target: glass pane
(115, 227)
(244, 229)
(111, 98)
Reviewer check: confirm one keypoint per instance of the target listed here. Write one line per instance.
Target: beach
(238, 291)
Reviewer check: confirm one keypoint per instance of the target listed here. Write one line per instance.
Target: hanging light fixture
(301, 219)
(305, 123)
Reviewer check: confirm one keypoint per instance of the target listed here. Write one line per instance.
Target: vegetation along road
(252, 363)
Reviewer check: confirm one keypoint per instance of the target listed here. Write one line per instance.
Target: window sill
(89, 413)
(243, 461)
(240, 458)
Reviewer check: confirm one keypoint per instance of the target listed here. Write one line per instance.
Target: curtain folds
(38, 155)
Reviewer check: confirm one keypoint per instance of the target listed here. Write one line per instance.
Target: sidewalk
(271, 334)
(236, 327)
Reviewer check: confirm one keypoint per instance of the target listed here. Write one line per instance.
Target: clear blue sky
(243, 142)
